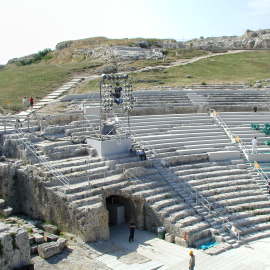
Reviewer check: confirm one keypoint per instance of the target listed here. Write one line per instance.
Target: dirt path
(183, 62)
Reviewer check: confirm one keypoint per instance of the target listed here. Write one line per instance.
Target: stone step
(153, 191)
(247, 205)
(86, 201)
(75, 161)
(231, 195)
(235, 201)
(210, 174)
(254, 236)
(160, 196)
(228, 189)
(205, 170)
(177, 215)
(221, 182)
(96, 183)
(84, 167)
(197, 227)
(158, 205)
(251, 220)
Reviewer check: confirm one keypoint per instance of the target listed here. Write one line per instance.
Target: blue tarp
(208, 245)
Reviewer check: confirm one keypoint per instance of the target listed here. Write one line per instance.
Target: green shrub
(44, 54)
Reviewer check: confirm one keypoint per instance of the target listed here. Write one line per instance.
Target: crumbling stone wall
(14, 247)
(39, 202)
(7, 183)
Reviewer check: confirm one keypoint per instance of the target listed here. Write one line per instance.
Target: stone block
(38, 231)
(223, 155)
(2, 203)
(181, 242)
(50, 228)
(39, 239)
(62, 243)
(169, 238)
(47, 250)
(49, 237)
(7, 211)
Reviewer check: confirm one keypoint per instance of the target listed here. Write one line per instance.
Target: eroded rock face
(250, 40)
(120, 52)
(14, 247)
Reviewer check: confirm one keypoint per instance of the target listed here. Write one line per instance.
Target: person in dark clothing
(31, 102)
(117, 94)
(142, 154)
(131, 232)
(255, 108)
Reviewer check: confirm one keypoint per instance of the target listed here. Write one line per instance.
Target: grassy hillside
(35, 80)
(41, 76)
(245, 67)
(39, 79)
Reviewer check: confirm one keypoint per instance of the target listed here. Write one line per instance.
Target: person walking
(191, 260)
(254, 143)
(31, 102)
(131, 232)
(24, 101)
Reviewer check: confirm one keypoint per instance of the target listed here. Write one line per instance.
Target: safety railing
(188, 189)
(262, 173)
(233, 137)
(42, 160)
(246, 152)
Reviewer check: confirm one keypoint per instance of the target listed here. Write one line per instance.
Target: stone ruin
(194, 183)
(250, 40)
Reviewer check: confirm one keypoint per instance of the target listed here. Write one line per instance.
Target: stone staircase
(91, 180)
(178, 135)
(231, 187)
(192, 99)
(194, 198)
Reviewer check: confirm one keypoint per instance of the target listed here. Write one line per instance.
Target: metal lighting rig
(116, 100)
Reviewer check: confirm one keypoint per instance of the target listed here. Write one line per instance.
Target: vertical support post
(28, 123)
(129, 124)
(5, 126)
(100, 108)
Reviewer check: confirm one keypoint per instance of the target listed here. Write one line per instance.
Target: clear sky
(27, 26)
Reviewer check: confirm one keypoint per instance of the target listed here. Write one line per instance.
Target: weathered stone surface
(181, 242)
(169, 237)
(48, 237)
(39, 239)
(250, 40)
(50, 228)
(15, 248)
(34, 249)
(47, 250)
